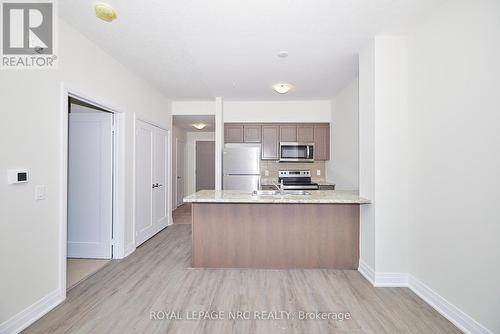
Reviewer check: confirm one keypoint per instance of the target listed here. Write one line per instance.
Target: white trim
(129, 249)
(177, 141)
(32, 313)
(381, 279)
(367, 272)
(460, 319)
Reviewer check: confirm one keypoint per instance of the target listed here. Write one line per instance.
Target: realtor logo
(28, 35)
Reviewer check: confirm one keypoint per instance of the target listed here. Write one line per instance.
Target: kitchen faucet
(279, 186)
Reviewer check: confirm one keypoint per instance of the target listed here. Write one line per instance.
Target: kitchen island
(235, 229)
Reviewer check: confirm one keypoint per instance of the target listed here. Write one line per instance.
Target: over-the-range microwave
(296, 152)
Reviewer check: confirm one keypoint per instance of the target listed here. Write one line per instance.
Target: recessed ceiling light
(105, 12)
(199, 125)
(283, 54)
(282, 88)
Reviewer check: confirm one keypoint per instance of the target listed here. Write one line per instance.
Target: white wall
(454, 156)
(193, 107)
(431, 99)
(192, 137)
(367, 153)
(30, 138)
(277, 111)
(343, 167)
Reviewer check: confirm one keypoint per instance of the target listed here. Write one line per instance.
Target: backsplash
(274, 166)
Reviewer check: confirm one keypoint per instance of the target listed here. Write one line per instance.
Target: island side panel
(280, 236)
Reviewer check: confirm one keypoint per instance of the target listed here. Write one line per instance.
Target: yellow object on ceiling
(105, 12)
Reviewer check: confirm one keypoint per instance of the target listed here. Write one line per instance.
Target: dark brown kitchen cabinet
(251, 133)
(322, 142)
(288, 132)
(305, 133)
(270, 142)
(233, 133)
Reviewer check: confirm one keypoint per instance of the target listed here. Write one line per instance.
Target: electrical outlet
(40, 193)
(266, 172)
(318, 172)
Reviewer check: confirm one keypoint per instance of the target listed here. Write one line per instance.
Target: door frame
(177, 141)
(118, 221)
(169, 172)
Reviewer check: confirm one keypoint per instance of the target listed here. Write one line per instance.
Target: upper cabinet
(251, 133)
(233, 133)
(242, 133)
(322, 141)
(270, 136)
(305, 133)
(270, 141)
(288, 132)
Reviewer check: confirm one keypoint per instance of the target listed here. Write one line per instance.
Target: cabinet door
(251, 133)
(288, 132)
(322, 142)
(305, 133)
(270, 141)
(233, 133)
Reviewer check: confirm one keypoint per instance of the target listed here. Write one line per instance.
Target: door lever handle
(155, 185)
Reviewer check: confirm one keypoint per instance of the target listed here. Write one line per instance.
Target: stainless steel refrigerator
(241, 167)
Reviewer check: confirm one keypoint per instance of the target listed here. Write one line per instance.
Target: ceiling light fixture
(282, 88)
(199, 125)
(283, 54)
(105, 12)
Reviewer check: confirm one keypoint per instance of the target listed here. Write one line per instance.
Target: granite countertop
(316, 197)
(267, 181)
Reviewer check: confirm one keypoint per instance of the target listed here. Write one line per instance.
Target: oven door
(296, 152)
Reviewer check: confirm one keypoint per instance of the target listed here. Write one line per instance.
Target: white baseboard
(390, 279)
(367, 272)
(129, 249)
(32, 313)
(459, 318)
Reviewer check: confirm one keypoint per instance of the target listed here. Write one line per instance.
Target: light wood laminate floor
(157, 277)
(79, 269)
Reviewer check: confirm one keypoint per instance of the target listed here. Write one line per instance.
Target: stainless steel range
(297, 180)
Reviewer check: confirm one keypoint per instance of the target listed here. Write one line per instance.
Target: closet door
(143, 181)
(159, 188)
(151, 151)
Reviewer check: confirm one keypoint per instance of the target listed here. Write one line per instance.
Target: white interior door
(151, 213)
(90, 185)
(181, 155)
(160, 186)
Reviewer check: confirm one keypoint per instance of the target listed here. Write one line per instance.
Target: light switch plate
(318, 172)
(266, 172)
(40, 193)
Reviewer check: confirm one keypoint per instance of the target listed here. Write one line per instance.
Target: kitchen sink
(277, 193)
(297, 192)
(265, 193)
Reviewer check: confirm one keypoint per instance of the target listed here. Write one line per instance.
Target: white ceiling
(186, 122)
(199, 49)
